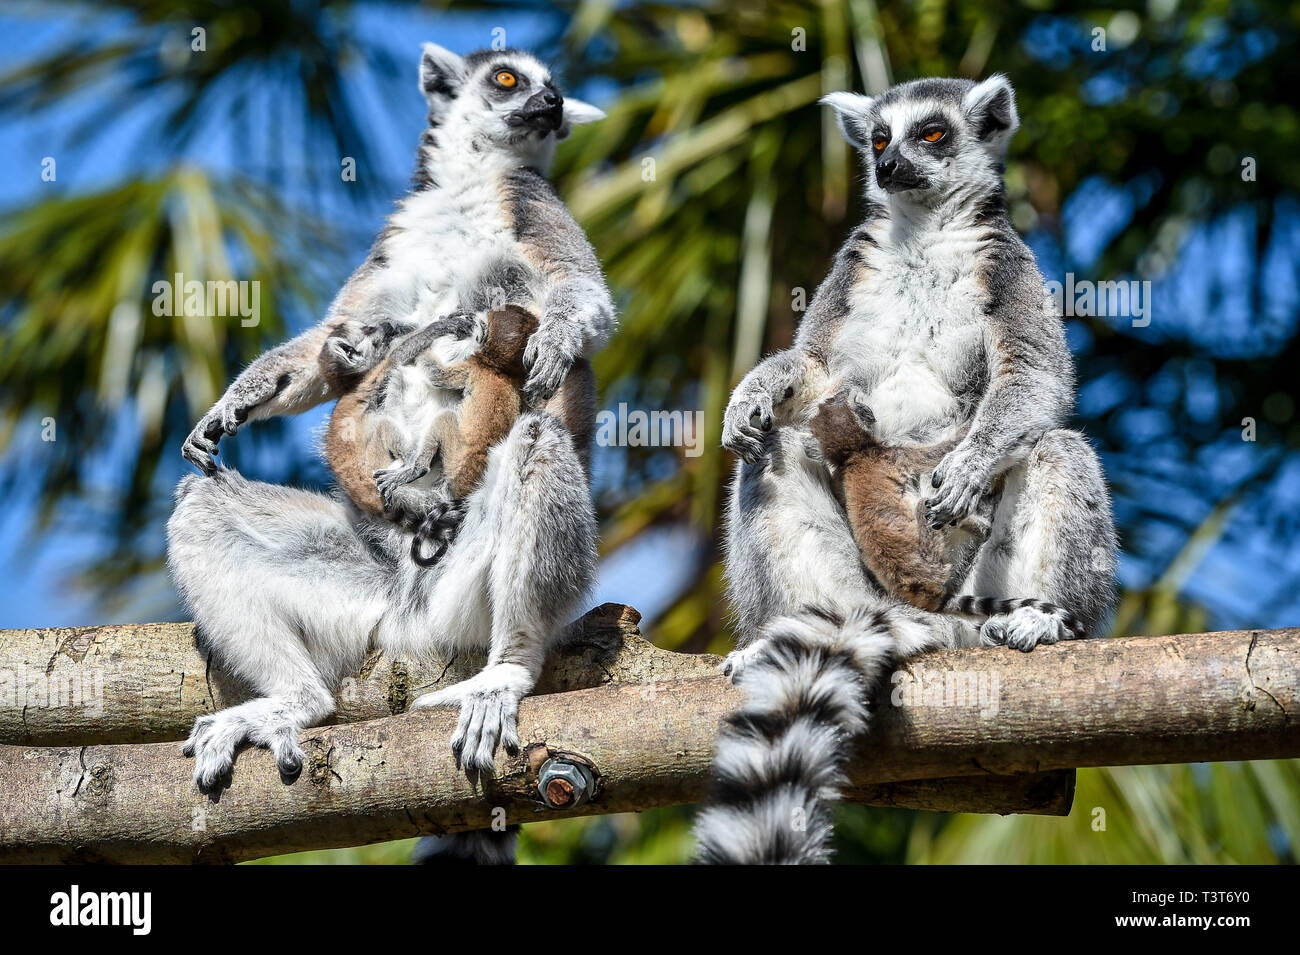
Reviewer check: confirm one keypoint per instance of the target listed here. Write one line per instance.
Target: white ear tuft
(852, 112)
(991, 105)
(441, 74)
(578, 112)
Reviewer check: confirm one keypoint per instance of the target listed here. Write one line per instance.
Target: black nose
(886, 167)
(552, 98)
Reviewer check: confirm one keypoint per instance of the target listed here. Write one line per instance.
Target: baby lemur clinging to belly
(386, 436)
(881, 490)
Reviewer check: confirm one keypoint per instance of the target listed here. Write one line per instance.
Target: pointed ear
(576, 113)
(991, 107)
(852, 112)
(441, 74)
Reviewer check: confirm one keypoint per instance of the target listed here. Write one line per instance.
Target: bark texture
(984, 713)
(143, 683)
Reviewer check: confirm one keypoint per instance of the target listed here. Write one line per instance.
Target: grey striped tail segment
(780, 758)
(993, 606)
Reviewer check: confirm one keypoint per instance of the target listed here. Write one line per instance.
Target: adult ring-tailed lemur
(289, 588)
(936, 314)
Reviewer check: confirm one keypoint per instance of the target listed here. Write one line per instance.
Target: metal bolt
(564, 784)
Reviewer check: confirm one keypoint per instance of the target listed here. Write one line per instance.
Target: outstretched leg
(524, 557)
(284, 596)
(1053, 538)
(789, 545)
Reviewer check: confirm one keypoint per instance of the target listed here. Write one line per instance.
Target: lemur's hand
(748, 417)
(201, 446)
(963, 477)
(549, 355)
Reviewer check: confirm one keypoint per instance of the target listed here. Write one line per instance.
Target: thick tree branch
(147, 682)
(960, 713)
(142, 683)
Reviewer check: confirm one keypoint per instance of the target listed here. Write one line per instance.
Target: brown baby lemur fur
(880, 488)
(375, 459)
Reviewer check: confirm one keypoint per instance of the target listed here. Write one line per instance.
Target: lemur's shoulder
(540, 218)
(830, 303)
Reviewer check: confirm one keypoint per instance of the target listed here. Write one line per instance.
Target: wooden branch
(138, 683)
(142, 683)
(1100, 702)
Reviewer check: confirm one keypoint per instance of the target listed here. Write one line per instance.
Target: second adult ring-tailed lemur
(290, 589)
(935, 308)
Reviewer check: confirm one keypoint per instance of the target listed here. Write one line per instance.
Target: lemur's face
(925, 138)
(505, 99)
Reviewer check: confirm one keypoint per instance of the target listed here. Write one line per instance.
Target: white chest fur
(443, 245)
(444, 239)
(913, 331)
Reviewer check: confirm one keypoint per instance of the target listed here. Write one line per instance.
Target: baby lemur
(377, 443)
(881, 489)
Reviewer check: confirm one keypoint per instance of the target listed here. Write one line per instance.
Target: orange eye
(933, 136)
(879, 143)
(505, 78)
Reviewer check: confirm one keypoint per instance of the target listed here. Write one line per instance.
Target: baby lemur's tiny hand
(397, 474)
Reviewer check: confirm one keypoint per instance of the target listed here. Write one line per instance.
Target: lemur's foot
(461, 324)
(489, 711)
(748, 418)
(733, 666)
(216, 737)
(1023, 629)
(444, 519)
(389, 479)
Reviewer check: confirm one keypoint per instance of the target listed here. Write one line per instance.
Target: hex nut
(564, 784)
